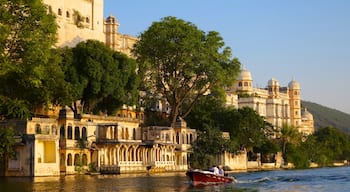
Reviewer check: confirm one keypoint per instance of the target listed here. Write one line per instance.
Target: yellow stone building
(54, 142)
(278, 105)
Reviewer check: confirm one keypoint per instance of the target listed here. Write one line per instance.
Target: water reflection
(168, 182)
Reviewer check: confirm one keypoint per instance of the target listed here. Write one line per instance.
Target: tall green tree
(246, 126)
(181, 63)
(27, 34)
(99, 78)
(288, 135)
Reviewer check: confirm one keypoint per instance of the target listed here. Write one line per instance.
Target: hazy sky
(308, 40)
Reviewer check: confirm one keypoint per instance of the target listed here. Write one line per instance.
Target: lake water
(323, 179)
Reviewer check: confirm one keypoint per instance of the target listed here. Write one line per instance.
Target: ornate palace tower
(117, 41)
(295, 103)
(245, 81)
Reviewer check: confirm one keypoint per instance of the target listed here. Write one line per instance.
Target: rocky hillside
(325, 116)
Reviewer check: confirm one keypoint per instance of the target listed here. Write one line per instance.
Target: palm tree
(288, 134)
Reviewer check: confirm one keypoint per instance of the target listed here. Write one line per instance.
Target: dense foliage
(180, 63)
(27, 76)
(99, 78)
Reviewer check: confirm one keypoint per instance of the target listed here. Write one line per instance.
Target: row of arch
(79, 133)
(46, 130)
(71, 160)
(134, 153)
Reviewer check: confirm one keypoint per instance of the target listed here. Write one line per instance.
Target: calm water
(325, 179)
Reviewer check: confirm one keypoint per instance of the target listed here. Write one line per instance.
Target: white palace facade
(278, 105)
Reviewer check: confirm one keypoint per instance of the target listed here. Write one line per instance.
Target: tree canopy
(27, 34)
(98, 77)
(181, 63)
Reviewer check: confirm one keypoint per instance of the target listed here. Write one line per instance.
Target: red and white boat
(199, 177)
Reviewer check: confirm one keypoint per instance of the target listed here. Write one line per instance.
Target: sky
(304, 40)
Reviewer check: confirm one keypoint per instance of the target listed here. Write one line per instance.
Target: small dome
(245, 75)
(307, 115)
(293, 85)
(273, 82)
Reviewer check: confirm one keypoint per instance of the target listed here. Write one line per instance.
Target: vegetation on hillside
(324, 117)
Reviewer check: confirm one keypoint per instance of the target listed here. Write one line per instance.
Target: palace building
(278, 105)
(56, 142)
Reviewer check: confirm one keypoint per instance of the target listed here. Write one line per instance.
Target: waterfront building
(277, 104)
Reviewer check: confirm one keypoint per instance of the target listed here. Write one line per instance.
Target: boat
(201, 177)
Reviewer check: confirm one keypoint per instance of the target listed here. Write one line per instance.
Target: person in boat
(221, 171)
(214, 169)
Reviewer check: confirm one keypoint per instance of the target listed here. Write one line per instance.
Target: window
(84, 133)
(295, 92)
(240, 84)
(37, 129)
(62, 132)
(70, 132)
(76, 133)
(76, 159)
(59, 12)
(87, 20)
(69, 160)
(245, 84)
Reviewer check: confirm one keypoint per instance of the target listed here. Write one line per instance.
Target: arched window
(87, 20)
(76, 159)
(59, 12)
(84, 133)
(70, 132)
(62, 132)
(69, 160)
(177, 138)
(67, 14)
(76, 133)
(37, 129)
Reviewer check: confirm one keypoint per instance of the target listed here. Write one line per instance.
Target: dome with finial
(293, 85)
(307, 115)
(245, 74)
